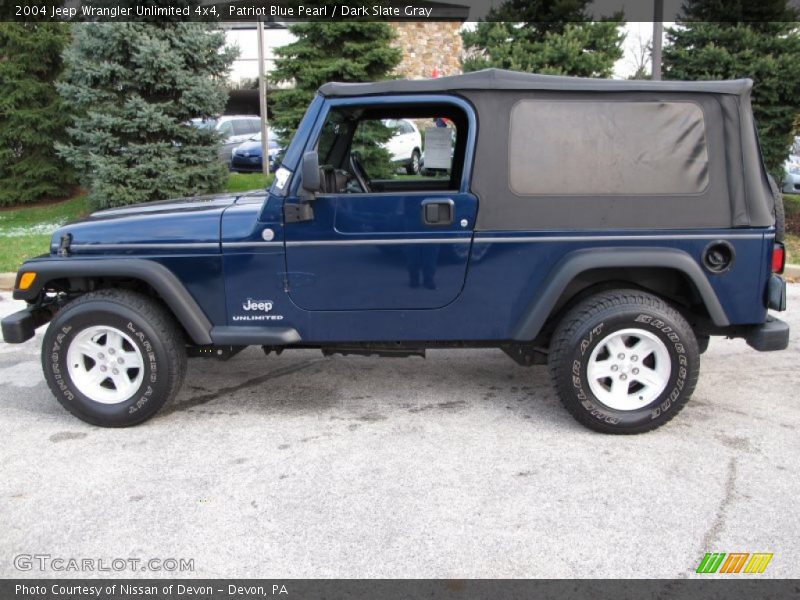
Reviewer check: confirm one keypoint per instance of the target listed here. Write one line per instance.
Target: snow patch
(39, 229)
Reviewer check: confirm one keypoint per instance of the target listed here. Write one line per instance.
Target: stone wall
(428, 46)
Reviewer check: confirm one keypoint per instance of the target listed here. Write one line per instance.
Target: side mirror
(309, 171)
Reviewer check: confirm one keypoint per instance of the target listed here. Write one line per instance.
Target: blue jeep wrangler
(604, 228)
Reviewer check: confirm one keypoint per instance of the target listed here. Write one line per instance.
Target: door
(380, 240)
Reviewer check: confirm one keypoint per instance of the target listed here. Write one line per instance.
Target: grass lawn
(25, 232)
(244, 182)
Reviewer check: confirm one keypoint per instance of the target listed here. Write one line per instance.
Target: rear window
(586, 148)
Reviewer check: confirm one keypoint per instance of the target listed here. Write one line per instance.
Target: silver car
(234, 130)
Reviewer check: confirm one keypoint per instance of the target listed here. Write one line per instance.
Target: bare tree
(640, 56)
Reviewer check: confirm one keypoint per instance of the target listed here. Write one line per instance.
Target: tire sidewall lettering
(678, 377)
(66, 333)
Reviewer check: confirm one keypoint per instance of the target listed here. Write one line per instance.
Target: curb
(7, 280)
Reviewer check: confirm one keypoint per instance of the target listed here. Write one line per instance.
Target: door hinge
(297, 212)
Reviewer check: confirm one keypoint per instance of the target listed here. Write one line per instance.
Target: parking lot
(460, 465)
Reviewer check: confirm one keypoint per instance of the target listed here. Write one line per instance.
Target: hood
(253, 147)
(248, 148)
(166, 226)
(177, 205)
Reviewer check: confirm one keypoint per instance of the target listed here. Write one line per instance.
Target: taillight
(778, 258)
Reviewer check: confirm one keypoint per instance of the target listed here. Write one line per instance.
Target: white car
(234, 130)
(791, 168)
(791, 178)
(405, 147)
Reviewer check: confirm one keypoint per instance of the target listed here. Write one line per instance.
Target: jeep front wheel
(113, 357)
(624, 361)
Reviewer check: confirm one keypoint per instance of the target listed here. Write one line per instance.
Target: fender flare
(161, 279)
(573, 264)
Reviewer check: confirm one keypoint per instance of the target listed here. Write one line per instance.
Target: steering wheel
(359, 172)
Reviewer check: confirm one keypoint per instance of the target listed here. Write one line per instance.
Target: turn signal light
(778, 258)
(26, 280)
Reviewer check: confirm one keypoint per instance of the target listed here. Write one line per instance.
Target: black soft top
(499, 79)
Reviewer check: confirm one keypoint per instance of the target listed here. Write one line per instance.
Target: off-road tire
(413, 166)
(148, 324)
(588, 324)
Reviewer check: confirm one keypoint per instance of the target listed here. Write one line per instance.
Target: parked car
(405, 146)
(616, 279)
(791, 180)
(246, 157)
(234, 129)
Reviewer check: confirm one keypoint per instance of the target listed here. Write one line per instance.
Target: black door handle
(436, 211)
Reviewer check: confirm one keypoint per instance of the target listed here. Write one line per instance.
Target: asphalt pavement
(459, 465)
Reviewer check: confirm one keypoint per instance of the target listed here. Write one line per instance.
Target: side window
(368, 149)
(620, 148)
(225, 128)
(374, 148)
(255, 125)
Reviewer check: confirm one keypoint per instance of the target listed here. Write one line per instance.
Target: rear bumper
(21, 326)
(772, 335)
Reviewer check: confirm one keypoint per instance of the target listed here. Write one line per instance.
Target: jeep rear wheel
(624, 362)
(113, 358)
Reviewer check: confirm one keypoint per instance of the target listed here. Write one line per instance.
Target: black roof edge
(500, 79)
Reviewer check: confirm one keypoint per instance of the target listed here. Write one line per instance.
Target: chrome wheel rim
(629, 369)
(105, 364)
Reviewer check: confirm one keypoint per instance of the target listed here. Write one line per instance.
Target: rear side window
(607, 148)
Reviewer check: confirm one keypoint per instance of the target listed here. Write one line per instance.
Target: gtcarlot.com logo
(734, 562)
(47, 562)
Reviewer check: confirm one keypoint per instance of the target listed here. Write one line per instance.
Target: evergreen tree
(763, 44)
(32, 116)
(542, 36)
(334, 51)
(135, 87)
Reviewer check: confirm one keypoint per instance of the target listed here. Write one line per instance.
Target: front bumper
(22, 325)
(245, 163)
(772, 335)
